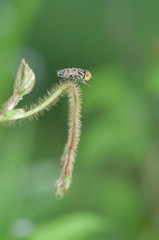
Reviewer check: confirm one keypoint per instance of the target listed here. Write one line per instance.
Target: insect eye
(87, 76)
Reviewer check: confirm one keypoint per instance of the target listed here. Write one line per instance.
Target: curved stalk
(62, 185)
(9, 115)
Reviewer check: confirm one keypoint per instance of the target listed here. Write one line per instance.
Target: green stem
(42, 106)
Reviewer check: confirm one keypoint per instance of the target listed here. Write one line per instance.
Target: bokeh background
(115, 189)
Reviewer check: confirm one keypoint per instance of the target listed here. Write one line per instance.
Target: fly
(76, 74)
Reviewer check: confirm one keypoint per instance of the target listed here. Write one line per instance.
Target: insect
(76, 74)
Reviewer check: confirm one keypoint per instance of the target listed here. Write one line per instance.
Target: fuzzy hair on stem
(63, 183)
(10, 115)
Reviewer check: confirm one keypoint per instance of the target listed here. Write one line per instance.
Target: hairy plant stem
(62, 185)
(40, 107)
(7, 117)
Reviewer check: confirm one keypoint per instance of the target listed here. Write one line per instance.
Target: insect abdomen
(61, 73)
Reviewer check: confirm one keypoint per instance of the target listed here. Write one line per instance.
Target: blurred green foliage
(115, 189)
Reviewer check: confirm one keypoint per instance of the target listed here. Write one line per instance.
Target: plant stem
(39, 108)
(68, 157)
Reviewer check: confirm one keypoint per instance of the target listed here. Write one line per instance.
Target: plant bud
(25, 80)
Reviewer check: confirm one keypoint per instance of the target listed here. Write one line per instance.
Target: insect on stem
(24, 84)
(76, 74)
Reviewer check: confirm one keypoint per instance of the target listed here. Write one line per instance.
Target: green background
(115, 189)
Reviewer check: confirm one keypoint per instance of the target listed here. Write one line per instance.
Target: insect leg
(62, 80)
(76, 82)
(86, 84)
